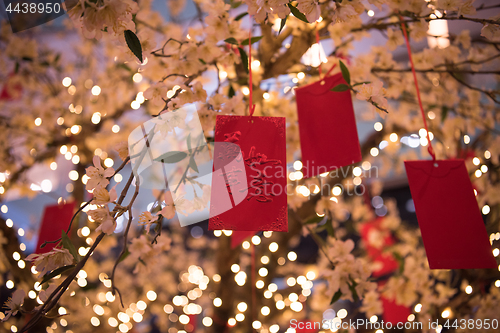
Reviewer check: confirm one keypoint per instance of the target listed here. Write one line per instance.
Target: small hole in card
(322, 82)
(436, 165)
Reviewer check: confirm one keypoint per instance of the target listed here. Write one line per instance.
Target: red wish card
(327, 127)
(55, 219)
(376, 240)
(252, 197)
(452, 227)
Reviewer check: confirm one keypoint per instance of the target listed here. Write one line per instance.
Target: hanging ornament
(258, 190)
(452, 227)
(451, 224)
(249, 196)
(55, 219)
(327, 127)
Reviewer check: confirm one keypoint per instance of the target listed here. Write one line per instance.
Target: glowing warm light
(75, 129)
(96, 90)
(438, 34)
(245, 91)
(378, 126)
(487, 154)
(217, 302)
(466, 139)
(108, 162)
(370, 13)
(273, 247)
(342, 313)
(373, 319)
(292, 256)
(297, 165)
(235, 268)
(468, 289)
(207, 321)
(485, 210)
(265, 311)
(135, 105)
(374, 151)
(137, 77)
(418, 308)
(393, 137)
(314, 56)
(38, 121)
(73, 175)
(151, 295)
(66, 81)
(256, 240)
(337, 190)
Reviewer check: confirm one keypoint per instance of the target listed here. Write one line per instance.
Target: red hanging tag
(55, 219)
(262, 141)
(452, 227)
(327, 127)
(376, 240)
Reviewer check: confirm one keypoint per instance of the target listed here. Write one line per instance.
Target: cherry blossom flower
(103, 197)
(97, 174)
(44, 294)
(14, 303)
(373, 92)
(122, 149)
(51, 260)
(147, 219)
(108, 225)
(156, 93)
(310, 9)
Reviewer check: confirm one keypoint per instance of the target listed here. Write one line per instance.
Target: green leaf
(282, 25)
(231, 40)
(193, 165)
(352, 288)
(444, 113)
(329, 228)
(202, 61)
(360, 83)
(231, 92)
(239, 17)
(345, 72)
(189, 142)
(134, 44)
(171, 157)
(244, 58)
(336, 297)
(66, 242)
(55, 273)
(124, 255)
(297, 13)
(340, 87)
(314, 219)
(254, 40)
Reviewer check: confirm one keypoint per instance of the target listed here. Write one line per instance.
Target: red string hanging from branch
(429, 149)
(251, 107)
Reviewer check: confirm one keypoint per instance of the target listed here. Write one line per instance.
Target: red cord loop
(251, 106)
(429, 148)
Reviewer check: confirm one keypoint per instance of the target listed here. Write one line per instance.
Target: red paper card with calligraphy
(452, 227)
(55, 219)
(327, 127)
(257, 194)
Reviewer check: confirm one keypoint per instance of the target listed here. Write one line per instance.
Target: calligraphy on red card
(249, 178)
